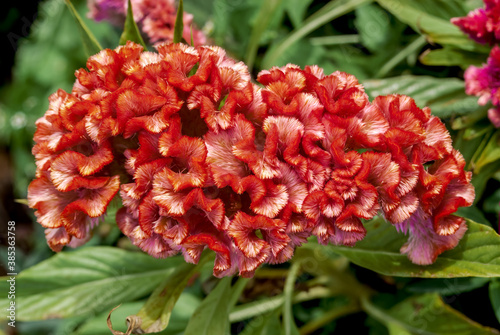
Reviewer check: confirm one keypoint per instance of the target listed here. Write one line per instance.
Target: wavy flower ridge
(204, 158)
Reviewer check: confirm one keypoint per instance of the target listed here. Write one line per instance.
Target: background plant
(406, 47)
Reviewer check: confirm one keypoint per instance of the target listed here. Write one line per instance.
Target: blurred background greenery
(43, 48)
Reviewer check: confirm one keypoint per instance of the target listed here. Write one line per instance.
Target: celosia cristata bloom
(205, 158)
(155, 18)
(482, 24)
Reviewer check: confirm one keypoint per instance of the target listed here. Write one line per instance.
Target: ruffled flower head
(482, 24)
(203, 158)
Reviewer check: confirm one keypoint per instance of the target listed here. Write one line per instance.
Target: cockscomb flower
(204, 158)
(155, 18)
(484, 82)
(482, 24)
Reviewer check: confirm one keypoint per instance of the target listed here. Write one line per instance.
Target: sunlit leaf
(445, 96)
(477, 254)
(450, 57)
(433, 20)
(87, 280)
(426, 314)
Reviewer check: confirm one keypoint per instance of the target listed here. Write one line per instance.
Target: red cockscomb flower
(207, 159)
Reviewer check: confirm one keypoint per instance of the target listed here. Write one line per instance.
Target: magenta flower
(155, 18)
(482, 24)
(204, 158)
(484, 82)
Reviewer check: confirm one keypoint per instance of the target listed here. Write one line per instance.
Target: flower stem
(288, 320)
(335, 40)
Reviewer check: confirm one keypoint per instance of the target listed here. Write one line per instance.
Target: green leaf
(211, 317)
(179, 23)
(131, 31)
(490, 153)
(90, 43)
(480, 180)
(449, 56)
(474, 125)
(202, 11)
(340, 308)
(474, 214)
(418, 18)
(444, 9)
(302, 54)
(266, 13)
(181, 313)
(445, 96)
(269, 324)
(254, 308)
(433, 20)
(447, 286)
(289, 326)
(265, 305)
(236, 290)
(329, 12)
(411, 49)
(154, 316)
(296, 10)
(477, 254)
(426, 314)
(88, 280)
(494, 289)
(97, 325)
(373, 25)
(492, 203)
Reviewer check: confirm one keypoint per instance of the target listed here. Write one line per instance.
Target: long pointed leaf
(131, 31)
(179, 23)
(90, 43)
(211, 317)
